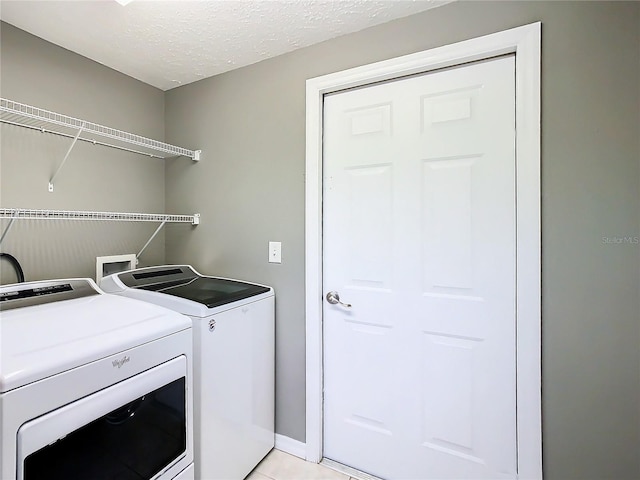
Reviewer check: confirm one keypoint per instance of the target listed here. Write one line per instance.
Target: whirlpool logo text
(119, 362)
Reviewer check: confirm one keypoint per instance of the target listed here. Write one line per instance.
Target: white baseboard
(291, 446)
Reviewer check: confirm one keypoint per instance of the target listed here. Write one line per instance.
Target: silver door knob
(333, 298)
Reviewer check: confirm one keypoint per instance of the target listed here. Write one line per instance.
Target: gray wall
(250, 189)
(38, 73)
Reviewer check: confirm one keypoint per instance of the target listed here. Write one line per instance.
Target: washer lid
(184, 282)
(43, 340)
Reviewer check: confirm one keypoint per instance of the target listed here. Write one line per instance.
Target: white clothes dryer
(234, 361)
(93, 385)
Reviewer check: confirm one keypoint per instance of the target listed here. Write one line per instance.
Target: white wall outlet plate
(275, 252)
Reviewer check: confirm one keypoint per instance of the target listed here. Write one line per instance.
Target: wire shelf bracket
(150, 239)
(31, 214)
(45, 121)
(6, 230)
(75, 139)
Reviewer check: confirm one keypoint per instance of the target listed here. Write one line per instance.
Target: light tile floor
(283, 466)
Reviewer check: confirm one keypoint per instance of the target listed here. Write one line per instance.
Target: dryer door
(135, 429)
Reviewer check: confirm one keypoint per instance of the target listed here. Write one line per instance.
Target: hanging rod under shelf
(23, 115)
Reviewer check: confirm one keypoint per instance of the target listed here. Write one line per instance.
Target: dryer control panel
(38, 293)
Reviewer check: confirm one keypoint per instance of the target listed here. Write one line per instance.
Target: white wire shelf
(14, 214)
(23, 115)
(31, 214)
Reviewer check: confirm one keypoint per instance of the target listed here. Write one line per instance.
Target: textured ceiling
(172, 43)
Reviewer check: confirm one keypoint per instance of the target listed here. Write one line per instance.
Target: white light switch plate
(275, 252)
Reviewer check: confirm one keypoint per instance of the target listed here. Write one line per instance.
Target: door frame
(524, 42)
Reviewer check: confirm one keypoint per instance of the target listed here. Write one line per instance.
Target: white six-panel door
(419, 237)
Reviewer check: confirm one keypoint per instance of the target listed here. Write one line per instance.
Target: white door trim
(525, 43)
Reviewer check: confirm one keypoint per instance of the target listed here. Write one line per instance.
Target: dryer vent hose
(16, 265)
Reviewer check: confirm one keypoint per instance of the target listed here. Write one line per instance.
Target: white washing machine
(92, 386)
(234, 361)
